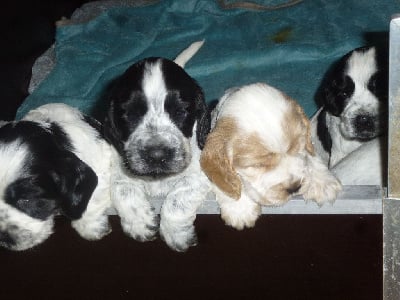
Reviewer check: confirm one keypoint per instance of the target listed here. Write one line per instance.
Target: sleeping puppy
(353, 98)
(53, 161)
(158, 121)
(259, 152)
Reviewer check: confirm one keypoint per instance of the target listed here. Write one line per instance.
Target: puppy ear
(75, 182)
(110, 131)
(216, 163)
(203, 124)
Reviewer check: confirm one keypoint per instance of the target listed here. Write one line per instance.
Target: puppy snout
(365, 123)
(158, 154)
(6, 239)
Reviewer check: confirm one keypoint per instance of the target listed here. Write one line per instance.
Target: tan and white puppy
(259, 152)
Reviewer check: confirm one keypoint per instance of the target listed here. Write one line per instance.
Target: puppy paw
(240, 214)
(142, 227)
(179, 238)
(323, 189)
(92, 230)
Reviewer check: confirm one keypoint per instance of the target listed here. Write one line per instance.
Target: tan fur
(248, 151)
(297, 128)
(215, 161)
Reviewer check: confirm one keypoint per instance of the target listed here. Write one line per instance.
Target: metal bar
(391, 204)
(394, 110)
(352, 200)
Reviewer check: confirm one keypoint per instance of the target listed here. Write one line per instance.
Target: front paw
(179, 238)
(321, 190)
(92, 230)
(142, 227)
(240, 215)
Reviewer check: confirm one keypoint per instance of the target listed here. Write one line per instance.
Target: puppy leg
(138, 218)
(178, 212)
(319, 184)
(238, 213)
(94, 225)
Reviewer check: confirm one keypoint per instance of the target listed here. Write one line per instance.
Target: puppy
(259, 152)
(353, 98)
(158, 121)
(52, 161)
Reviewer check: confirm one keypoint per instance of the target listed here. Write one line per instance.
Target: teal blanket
(289, 48)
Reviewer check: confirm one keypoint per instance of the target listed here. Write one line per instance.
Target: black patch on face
(337, 94)
(183, 102)
(127, 102)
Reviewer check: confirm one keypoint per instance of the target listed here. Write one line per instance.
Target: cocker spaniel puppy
(53, 161)
(259, 152)
(158, 121)
(353, 99)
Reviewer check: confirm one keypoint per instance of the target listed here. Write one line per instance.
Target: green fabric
(289, 48)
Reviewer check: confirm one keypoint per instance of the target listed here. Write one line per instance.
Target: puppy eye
(181, 113)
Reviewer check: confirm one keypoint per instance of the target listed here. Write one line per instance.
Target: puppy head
(356, 92)
(38, 180)
(155, 109)
(258, 146)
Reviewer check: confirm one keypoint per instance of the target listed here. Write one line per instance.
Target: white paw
(178, 237)
(240, 213)
(142, 226)
(94, 229)
(322, 189)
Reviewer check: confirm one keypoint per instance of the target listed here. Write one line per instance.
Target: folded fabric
(289, 48)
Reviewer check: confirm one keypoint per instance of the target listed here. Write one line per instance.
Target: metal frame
(391, 203)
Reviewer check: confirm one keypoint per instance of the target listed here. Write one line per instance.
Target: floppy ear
(307, 124)
(110, 131)
(75, 182)
(215, 161)
(203, 119)
(203, 126)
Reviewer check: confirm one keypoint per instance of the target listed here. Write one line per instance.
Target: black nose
(364, 123)
(6, 239)
(158, 154)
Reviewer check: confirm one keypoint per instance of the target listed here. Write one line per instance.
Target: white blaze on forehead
(12, 161)
(259, 108)
(154, 86)
(361, 66)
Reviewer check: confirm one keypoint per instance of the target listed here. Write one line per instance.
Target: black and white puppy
(353, 98)
(53, 161)
(158, 121)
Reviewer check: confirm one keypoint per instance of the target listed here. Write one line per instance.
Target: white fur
(363, 166)
(360, 67)
(95, 152)
(259, 109)
(183, 191)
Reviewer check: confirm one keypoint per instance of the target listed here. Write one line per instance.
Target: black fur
(55, 179)
(184, 103)
(323, 132)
